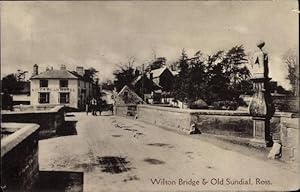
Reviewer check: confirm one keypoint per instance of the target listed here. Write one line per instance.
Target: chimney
(63, 67)
(35, 70)
(80, 70)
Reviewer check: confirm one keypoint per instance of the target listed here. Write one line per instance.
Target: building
(162, 77)
(61, 87)
(23, 95)
(146, 88)
(127, 96)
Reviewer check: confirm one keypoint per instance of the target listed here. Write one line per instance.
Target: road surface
(120, 154)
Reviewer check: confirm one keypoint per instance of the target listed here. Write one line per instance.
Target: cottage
(162, 77)
(60, 87)
(146, 88)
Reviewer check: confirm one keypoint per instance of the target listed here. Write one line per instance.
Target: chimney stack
(35, 70)
(63, 67)
(80, 70)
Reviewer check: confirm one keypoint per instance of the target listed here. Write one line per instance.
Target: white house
(60, 87)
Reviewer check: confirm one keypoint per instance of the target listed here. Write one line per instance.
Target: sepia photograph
(149, 96)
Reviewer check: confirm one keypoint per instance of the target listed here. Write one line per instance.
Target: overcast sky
(103, 34)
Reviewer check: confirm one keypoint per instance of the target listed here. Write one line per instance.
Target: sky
(103, 34)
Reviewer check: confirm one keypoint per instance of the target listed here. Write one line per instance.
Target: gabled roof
(132, 98)
(137, 79)
(55, 74)
(76, 74)
(158, 72)
(175, 72)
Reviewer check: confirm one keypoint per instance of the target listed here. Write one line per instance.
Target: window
(63, 83)
(43, 97)
(43, 83)
(64, 97)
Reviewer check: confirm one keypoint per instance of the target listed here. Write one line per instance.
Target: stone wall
(220, 122)
(170, 118)
(125, 110)
(50, 121)
(289, 133)
(224, 123)
(19, 157)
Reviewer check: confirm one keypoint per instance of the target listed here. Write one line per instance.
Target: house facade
(60, 87)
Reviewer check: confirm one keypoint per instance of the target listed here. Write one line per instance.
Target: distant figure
(87, 105)
(94, 106)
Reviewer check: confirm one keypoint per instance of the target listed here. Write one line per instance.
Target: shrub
(225, 105)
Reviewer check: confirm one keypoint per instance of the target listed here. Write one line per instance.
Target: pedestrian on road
(87, 106)
(94, 106)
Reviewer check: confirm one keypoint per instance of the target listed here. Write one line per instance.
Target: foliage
(91, 75)
(221, 76)
(290, 59)
(227, 105)
(157, 63)
(11, 84)
(181, 86)
(125, 74)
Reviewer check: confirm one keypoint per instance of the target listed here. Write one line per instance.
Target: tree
(181, 84)
(291, 61)
(125, 74)
(158, 63)
(91, 75)
(230, 73)
(221, 76)
(11, 84)
(21, 75)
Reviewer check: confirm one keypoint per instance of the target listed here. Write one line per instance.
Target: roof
(56, 74)
(133, 97)
(175, 72)
(158, 72)
(138, 78)
(76, 74)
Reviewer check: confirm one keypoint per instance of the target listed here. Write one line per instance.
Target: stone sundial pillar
(261, 107)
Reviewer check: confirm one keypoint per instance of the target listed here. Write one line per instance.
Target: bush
(198, 104)
(225, 105)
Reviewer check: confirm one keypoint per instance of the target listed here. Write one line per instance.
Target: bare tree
(127, 65)
(292, 63)
(125, 73)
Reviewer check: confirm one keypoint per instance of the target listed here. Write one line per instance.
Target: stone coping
(286, 114)
(214, 112)
(125, 105)
(23, 131)
(52, 110)
(198, 111)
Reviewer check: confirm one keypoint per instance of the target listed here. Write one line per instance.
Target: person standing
(87, 105)
(94, 106)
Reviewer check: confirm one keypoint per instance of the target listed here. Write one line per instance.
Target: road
(120, 154)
